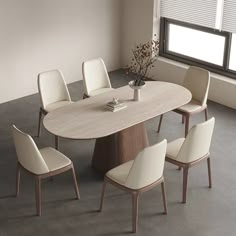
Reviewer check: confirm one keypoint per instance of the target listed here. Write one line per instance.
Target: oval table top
(88, 118)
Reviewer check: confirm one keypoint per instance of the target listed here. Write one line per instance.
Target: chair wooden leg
(185, 184)
(159, 126)
(209, 171)
(75, 183)
(40, 122)
(103, 193)
(164, 197)
(206, 114)
(186, 125)
(17, 180)
(135, 210)
(186, 118)
(182, 119)
(38, 194)
(56, 142)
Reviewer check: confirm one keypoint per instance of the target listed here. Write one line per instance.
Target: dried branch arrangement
(143, 58)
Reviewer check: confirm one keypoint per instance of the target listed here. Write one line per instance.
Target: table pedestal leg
(119, 148)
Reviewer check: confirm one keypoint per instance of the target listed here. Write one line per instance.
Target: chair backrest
(147, 167)
(197, 143)
(52, 87)
(197, 80)
(95, 75)
(27, 152)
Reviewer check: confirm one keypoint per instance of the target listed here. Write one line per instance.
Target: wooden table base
(119, 148)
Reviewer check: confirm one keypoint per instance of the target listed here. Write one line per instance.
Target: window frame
(164, 52)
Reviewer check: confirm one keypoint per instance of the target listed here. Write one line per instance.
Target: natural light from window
(232, 62)
(197, 44)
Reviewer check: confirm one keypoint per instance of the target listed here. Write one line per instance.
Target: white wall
(136, 25)
(40, 35)
(139, 22)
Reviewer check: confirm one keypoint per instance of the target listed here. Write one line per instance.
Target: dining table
(119, 135)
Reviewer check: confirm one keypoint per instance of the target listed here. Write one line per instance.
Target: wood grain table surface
(88, 119)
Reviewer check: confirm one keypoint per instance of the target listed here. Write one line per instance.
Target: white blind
(229, 16)
(199, 12)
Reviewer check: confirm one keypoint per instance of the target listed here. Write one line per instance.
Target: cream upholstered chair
(139, 175)
(197, 80)
(41, 163)
(95, 77)
(53, 93)
(189, 151)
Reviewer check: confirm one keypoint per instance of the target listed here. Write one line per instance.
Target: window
(232, 61)
(198, 45)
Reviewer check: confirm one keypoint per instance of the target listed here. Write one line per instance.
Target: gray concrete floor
(208, 212)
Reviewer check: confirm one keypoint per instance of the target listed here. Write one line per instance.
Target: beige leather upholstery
(54, 159)
(120, 173)
(53, 90)
(99, 91)
(192, 106)
(56, 105)
(34, 160)
(195, 146)
(95, 77)
(197, 81)
(146, 169)
(174, 147)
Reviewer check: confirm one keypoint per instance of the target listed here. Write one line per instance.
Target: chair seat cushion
(56, 105)
(120, 173)
(192, 106)
(173, 148)
(99, 91)
(54, 159)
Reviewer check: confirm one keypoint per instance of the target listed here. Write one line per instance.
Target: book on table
(111, 106)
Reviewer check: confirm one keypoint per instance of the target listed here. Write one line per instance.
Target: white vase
(137, 94)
